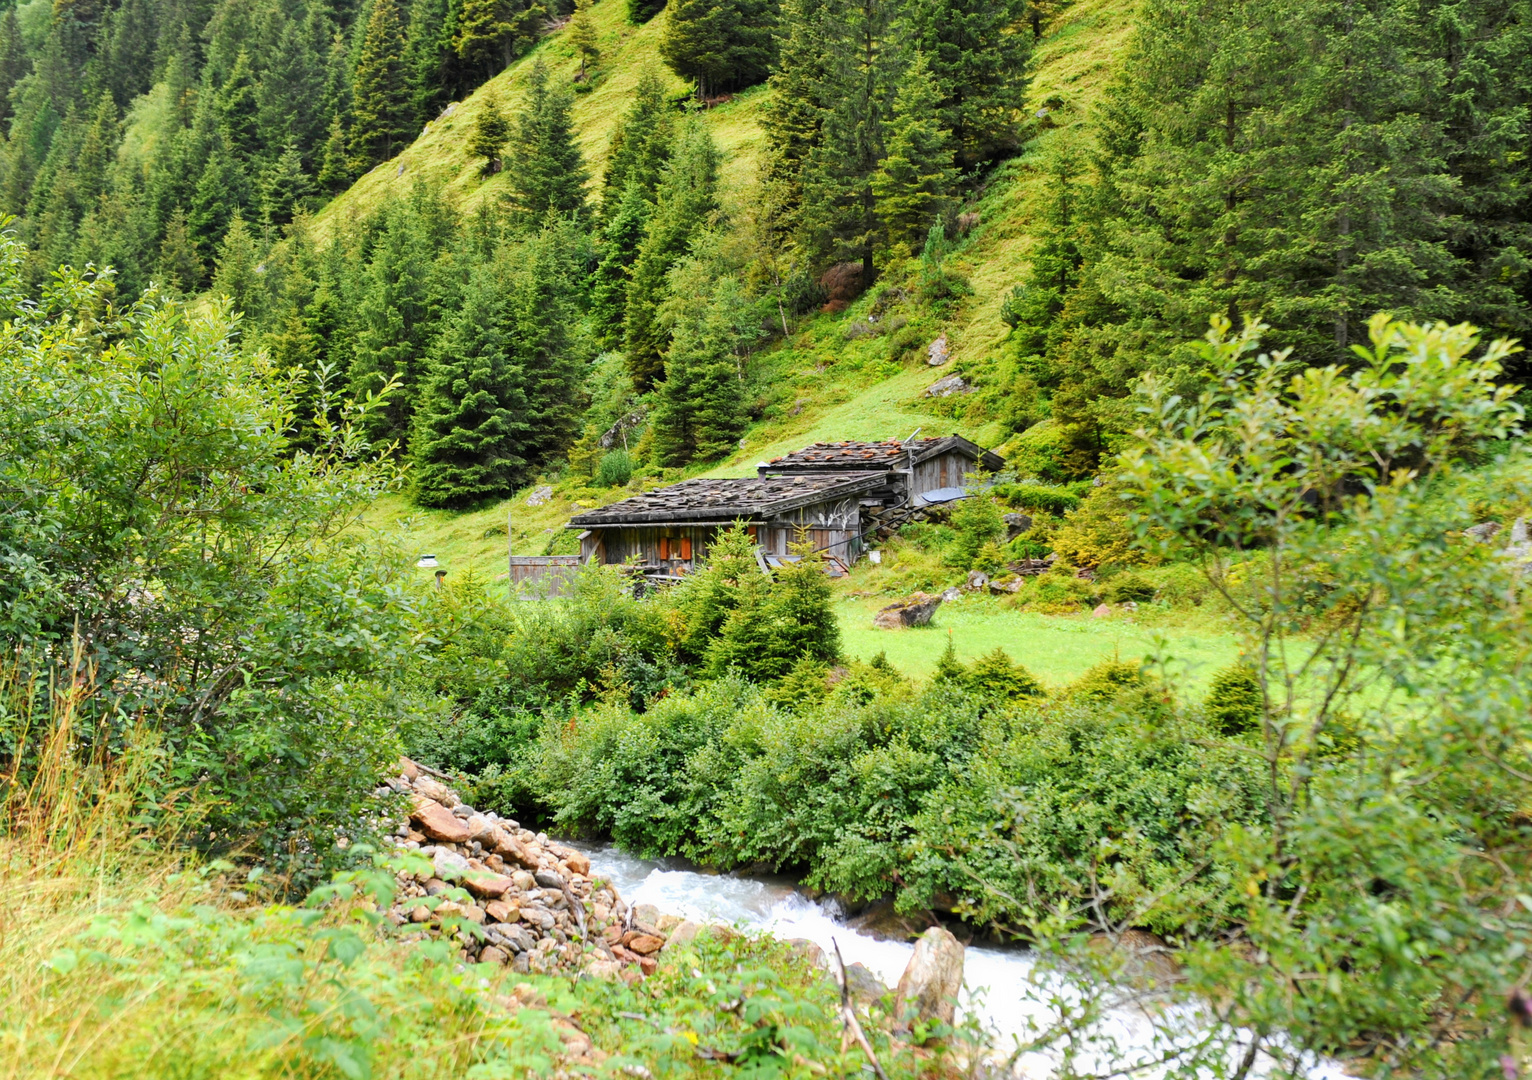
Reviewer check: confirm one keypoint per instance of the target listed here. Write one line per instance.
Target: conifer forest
(939, 539)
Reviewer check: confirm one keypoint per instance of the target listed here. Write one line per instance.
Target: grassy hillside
(818, 384)
(439, 155)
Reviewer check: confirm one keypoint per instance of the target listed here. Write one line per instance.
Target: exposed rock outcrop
(929, 987)
(915, 611)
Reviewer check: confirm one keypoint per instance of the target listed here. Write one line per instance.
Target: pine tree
(492, 33)
(14, 62)
(620, 241)
(640, 145)
(722, 44)
(686, 201)
(641, 11)
(711, 595)
(582, 35)
(544, 309)
(398, 311)
(912, 183)
(237, 275)
(699, 410)
(491, 130)
(334, 161)
(471, 428)
(793, 114)
(550, 174)
(839, 216)
(239, 111)
(222, 190)
(978, 52)
(436, 73)
(284, 187)
(382, 117)
(180, 266)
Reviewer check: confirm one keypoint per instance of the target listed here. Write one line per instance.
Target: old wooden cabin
(823, 492)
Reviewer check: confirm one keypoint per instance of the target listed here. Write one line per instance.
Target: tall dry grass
(121, 956)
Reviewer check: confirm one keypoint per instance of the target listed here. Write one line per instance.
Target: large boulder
(437, 822)
(915, 611)
(929, 987)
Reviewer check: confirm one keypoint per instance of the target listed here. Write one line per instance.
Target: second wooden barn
(668, 531)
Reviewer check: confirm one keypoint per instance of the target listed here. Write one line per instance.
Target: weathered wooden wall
(944, 470)
(542, 575)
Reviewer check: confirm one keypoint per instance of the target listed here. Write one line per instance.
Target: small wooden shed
(667, 531)
(910, 469)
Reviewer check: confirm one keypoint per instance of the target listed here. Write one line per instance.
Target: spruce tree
(793, 114)
(239, 111)
(491, 130)
(492, 33)
(236, 275)
(722, 44)
(641, 11)
(640, 145)
(550, 174)
(686, 201)
(839, 217)
(470, 427)
(916, 174)
(978, 52)
(582, 35)
(382, 112)
(14, 62)
(699, 410)
(180, 265)
(620, 241)
(334, 161)
(545, 296)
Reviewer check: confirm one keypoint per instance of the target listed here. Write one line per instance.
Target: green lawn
(1055, 648)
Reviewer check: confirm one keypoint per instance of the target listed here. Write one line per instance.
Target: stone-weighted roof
(705, 501)
(877, 455)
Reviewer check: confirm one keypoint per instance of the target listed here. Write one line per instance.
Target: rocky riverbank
(507, 896)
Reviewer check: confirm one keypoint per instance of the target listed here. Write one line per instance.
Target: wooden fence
(542, 576)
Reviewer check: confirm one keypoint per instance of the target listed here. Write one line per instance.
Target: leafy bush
(1037, 497)
(976, 521)
(1235, 702)
(1130, 588)
(615, 470)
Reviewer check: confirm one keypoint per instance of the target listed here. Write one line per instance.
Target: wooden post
(510, 569)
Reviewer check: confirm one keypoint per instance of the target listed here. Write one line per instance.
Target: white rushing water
(1003, 990)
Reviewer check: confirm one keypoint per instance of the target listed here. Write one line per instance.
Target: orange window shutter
(664, 547)
(686, 547)
(751, 531)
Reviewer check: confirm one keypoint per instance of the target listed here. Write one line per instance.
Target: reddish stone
(643, 944)
(484, 883)
(437, 822)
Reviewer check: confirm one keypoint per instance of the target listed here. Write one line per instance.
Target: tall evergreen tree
(620, 241)
(382, 110)
(793, 114)
(641, 11)
(582, 35)
(722, 44)
(492, 33)
(14, 62)
(237, 273)
(978, 52)
(840, 215)
(544, 301)
(470, 429)
(641, 143)
(916, 174)
(550, 174)
(686, 201)
(399, 309)
(180, 266)
(699, 410)
(491, 130)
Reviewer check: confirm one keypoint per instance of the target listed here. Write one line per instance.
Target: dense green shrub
(615, 470)
(1130, 588)
(1037, 497)
(977, 521)
(1235, 702)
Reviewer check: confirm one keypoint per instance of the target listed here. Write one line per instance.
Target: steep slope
(439, 155)
(820, 383)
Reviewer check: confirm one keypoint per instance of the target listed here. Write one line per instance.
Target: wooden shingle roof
(704, 501)
(890, 454)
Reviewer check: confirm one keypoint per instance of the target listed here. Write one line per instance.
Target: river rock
(524, 881)
(646, 915)
(643, 944)
(437, 822)
(915, 611)
(548, 879)
(491, 954)
(863, 986)
(577, 862)
(929, 987)
(491, 886)
(436, 791)
(808, 950)
(686, 931)
(502, 911)
(408, 769)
